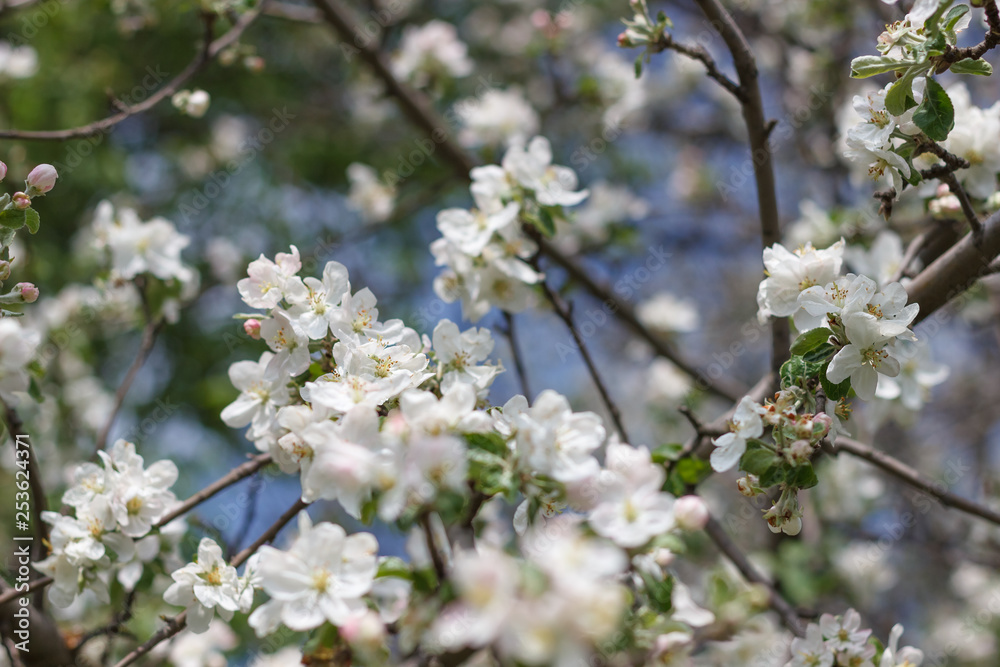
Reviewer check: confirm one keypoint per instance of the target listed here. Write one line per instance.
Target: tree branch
(515, 352)
(955, 270)
(758, 130)
(912, 477)
(565, 313)
(726, 545)
(238, 473)
(208, 51)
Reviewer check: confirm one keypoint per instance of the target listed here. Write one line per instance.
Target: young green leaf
(976, 66)
(936, 114)
(810, 340)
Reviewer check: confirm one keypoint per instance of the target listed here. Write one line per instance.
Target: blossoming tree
(648, 469)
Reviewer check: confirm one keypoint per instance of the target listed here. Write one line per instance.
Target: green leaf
(758, 461)
(693, 471)
(31, 220)
(976, 66)
(900, 99)
(12, 218)
(820, 354)
(953, 16)
(791, 371)
(773, 476)
(810, 340)
(659, 592)
(803, 477)
(638, 66)
(394, 566)
(668, 452)
(866, 66)
(548, 226)
(834, 392)
(489, 442)
(936, 114)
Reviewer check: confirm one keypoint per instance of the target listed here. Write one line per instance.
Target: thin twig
(35, 585)
(726, 545)
(565, 313)
(912, 250)
(912, 477)
(208, 51)
(236, 474)
(436, 560)
(515, 353)
(177, 623)
(146, 344)
(699, 53)
(956, 188)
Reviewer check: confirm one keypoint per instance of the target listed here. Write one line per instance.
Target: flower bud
(4, 269)
(799, 452)
(252, 327)
(194, 103)
(748, 486)
(3, 171)
(822, 423)
(663, 557)
(254, 64)
(365, 633)
(41, 179)
(690, 513)
(28, 292)
(21, 201)
(625, 41)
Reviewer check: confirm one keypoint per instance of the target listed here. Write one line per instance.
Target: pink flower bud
(624, 41)
(365, 631)
(663, 557)
(3, 171)
(800, 452)
(21, 200)
(42, 178)
(252, 327)
(28, 292)
(821, 424)
(691, 513)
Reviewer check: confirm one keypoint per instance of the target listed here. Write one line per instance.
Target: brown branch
(991, 41)
(236, 474)
(726, 545)
(208, 51)
(758, 130)
(955, 270)
(565, 313)
(35, 585)
(421, 113)
(177, 623)
(666, 41)
(912, 250)
(956, 188)
(515, 352)
(910, 476)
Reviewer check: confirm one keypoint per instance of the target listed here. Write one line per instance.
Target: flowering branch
(177, 623)
(422, 114)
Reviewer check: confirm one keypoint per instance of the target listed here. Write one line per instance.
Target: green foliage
(936, 114)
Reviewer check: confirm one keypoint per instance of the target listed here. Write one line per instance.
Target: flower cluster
(210, 584)
(839, 641)
(486, 249)
(784, 462)
(394, 425)
(116, 506)
(846, 318)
